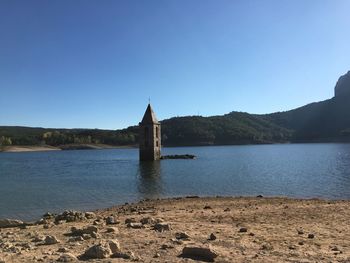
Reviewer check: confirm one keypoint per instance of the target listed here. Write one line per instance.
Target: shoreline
(234, 229)
(37, 148)
(45, 148)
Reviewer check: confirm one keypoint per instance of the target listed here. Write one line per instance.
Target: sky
(95, 64)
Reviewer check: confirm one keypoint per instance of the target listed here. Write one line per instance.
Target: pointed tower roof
(149, 117)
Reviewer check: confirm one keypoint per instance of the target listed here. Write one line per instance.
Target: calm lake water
(34, 183)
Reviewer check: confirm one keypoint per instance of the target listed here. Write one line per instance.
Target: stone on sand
(161, 227)
(199, 253)
(102, 250)
(50, 240)
(67, 257)
(4, 223)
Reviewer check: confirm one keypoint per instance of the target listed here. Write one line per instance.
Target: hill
(327, 120)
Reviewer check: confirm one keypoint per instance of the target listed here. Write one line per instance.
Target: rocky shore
(186, 230)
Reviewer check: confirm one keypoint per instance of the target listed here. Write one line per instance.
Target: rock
(112, 230)
(227, 210)
(267, 247)
(300, 232)
(25, 245)
(300, 243)
(114, 245)
(199, 253)
(95, 235)
(157, 255)
(86, 230)
(159, 220)
(90, 215)
(97, 251)
(182, 235)
(5, 223)
(135, 225)
(98, 222)
(178, 156)
(130, 220)
(212, 237)
(76, 239)
(48, 215)
(41, 221)
(207, 207)
(68, 257)
(243, 230)
(70, 216)
(259, 196)
(160, 227)
(148, 221)
(102, 250)
(63, 250)
(335, 248)
(166, 246)
(311, 236)
(124, 255)
(38, 239)
(51, 240)
(110, 220)
(86, 236)
(49, 225)
(178, 241)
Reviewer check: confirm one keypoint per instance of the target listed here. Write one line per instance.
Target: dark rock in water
(178, 156)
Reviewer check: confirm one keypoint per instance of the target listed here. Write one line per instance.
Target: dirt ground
(243, 229)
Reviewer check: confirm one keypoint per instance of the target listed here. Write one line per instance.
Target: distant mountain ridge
(325, 121)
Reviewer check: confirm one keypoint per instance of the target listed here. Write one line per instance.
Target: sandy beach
(28, 148)
(188, 229)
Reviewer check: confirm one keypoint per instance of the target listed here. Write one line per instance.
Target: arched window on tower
(157, 131)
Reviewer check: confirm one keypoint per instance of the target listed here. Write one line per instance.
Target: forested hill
(328, 120)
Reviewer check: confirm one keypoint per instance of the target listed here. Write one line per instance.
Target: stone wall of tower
(149, 136)
(150, 141)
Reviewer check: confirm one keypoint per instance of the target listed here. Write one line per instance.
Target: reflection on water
(150, 180)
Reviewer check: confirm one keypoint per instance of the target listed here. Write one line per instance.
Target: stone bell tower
(149, 136)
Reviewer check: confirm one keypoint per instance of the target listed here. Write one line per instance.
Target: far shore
(44, 148)
(209, 229)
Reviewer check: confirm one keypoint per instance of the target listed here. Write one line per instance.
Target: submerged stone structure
(149, 136)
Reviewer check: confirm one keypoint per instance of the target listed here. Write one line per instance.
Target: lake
(36, 182)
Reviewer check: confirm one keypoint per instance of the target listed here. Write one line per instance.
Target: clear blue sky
(93, 64)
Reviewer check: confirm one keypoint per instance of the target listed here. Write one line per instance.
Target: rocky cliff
(342, 88)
